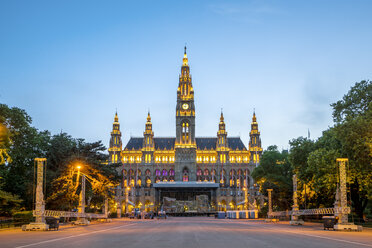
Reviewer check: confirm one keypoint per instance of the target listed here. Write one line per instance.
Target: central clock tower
(185, 144)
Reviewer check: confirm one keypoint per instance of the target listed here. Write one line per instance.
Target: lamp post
(82, 220)
(246, 203)
(126, 198)
(270, 202)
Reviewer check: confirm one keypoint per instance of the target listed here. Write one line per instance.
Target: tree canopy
(23, 143)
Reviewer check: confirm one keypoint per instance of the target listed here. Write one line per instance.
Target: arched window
(148, 182)
(206, 172)
(148, 172)
(171, 172)
(214, 179)
(232, 181)
(223, 180)
(157, 173)
(165, 173)
(185, 177)
(185, 132)
(157, 179)
(139, 181)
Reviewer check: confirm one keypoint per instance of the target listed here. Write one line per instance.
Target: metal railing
(315, 211)
(57, 214)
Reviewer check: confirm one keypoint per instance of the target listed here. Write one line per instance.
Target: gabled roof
(204, 143)
(235, 143)
(164, 143)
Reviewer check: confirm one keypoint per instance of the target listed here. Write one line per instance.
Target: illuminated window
(232, 182)
(185, 177)
(185, 132)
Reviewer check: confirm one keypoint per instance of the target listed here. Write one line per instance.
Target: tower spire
(185, 109)
(185, 61)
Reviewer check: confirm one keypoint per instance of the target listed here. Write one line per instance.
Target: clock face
(185, 106)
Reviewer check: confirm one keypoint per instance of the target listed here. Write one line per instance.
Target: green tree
(26, 143)
(275, 171)
(355, 103)
(353, 117)
(63, 156)
(351, 137)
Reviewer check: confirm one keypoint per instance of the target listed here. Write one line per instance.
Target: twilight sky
(70, 64)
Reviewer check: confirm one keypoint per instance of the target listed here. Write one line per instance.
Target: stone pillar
(343, 218)
(343, 210)
(40, 204)
(270, 203)
(294, 217)
(39, 223)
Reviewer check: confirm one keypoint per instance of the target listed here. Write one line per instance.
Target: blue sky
(70, 64)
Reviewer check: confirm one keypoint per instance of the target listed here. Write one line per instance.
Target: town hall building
(184, 173)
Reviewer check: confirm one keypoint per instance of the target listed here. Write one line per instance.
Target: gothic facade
(184, 166)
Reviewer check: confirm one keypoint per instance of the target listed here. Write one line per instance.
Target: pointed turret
(148, 141)
(115, 142)
(255, 141)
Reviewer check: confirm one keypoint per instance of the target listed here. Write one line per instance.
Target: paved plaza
(189, 233)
